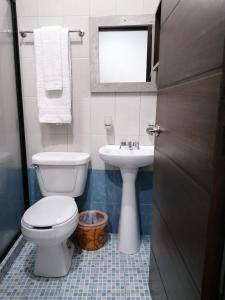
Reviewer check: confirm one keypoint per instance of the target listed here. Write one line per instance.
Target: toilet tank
(61, 173)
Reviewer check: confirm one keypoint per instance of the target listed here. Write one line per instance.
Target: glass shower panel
(11, 183)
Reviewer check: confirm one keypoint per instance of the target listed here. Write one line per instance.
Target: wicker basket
(91, 232)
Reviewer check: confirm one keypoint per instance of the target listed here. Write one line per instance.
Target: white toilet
(51, 221)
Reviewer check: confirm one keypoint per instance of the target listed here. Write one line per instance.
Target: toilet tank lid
(60, 158)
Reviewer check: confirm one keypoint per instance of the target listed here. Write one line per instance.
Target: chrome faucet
(136, 145)
(133, 145)
(130, 145)
(123, 144)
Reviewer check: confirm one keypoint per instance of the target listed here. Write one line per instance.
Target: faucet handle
(123, 144)
(136, 145)
(130, 144)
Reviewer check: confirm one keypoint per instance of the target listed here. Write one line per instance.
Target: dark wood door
(189, 177)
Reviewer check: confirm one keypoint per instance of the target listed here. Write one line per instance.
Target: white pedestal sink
(128, 161)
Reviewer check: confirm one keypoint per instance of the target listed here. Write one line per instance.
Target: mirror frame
(118, 21)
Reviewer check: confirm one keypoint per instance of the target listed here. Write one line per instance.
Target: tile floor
(103, 274)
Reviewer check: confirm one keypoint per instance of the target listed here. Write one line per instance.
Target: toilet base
(54, 260)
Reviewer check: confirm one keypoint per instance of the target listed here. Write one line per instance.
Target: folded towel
(54, 105)
(52, 57)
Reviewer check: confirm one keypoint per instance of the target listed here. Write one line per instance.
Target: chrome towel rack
(24, 33)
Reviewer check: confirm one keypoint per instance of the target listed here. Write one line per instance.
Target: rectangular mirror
(121, 51)
(123, 54)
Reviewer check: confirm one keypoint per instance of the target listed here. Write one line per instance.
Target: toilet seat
(50, 212)
(50, 220)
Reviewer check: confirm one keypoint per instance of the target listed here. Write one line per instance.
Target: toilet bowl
(52, 220)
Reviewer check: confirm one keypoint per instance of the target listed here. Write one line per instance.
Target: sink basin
(128, 161)
(125, 158)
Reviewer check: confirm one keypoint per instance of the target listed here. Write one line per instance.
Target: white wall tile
(129, 7)
(50, 129)
(98, 141)
(79, 46)
(80, 119)
(27, 8)
(79, 142)
(147, 111)
(80, 79)
(150, 6)
(50, 7)
(127, 114)
(34, 144)
(101, 106)
(50, 21)
(28, 77)
(146, 140)
(54, 142)
(103, 7)
(76, 7)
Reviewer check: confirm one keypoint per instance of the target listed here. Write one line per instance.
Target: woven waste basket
(91, 232)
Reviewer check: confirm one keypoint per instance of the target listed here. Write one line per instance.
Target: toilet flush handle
(35, 166)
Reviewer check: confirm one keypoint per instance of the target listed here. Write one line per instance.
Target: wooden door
(189, 177)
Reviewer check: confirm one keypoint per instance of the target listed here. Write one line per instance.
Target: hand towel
(54, 105)
(52, 57)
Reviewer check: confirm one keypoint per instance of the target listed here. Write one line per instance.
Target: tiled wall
(103, 192)
(130, 111)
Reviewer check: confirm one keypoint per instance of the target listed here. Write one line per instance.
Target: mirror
(121, 54)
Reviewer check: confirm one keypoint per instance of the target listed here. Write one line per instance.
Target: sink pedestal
(128, 161)
(129, 230)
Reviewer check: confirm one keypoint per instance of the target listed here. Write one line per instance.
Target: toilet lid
(61, 158)
(50, 211)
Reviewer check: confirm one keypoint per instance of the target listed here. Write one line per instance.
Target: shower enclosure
(13, 177)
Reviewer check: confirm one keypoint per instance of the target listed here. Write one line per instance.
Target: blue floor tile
(105, 274)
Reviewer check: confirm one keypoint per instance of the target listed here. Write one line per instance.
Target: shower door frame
(19, 103)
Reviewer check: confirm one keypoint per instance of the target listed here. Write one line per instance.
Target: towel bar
(24, 33)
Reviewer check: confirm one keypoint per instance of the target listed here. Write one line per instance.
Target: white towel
(54, 106)
(52, 57)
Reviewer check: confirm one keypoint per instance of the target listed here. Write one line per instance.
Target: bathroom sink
(128, 160)
(125, 158)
